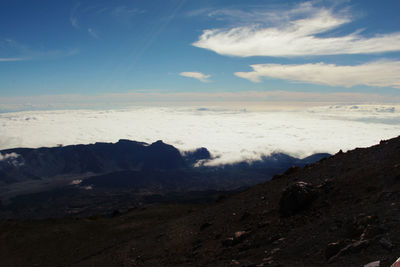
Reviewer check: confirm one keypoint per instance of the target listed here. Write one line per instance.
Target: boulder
(296, 198)
(373, 264)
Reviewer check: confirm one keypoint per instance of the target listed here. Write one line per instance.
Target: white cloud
(196, 75)
(293, 33)
(8, 156)
(378, 73)
(232, 134)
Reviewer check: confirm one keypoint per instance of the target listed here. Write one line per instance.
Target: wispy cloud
(378, 73)
(196, 75)
(125, 14)
(16, 51)
(73, 17)
(10, 59)
(81, 14)
(295, 32)
(93, 33)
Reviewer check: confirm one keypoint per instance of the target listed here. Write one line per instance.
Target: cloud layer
(380, 73)
(196, 75)
(231, 134)
(296, 32)
(251, 100)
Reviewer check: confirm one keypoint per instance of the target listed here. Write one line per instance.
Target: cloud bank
(380, 73)
(196, 75)
(292, 33)
(231, 134)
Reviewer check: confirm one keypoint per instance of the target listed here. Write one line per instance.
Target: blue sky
(180, 46)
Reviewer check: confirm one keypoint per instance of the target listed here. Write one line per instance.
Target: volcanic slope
(340, 211)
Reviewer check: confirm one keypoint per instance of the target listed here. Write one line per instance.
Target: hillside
(93, 179)
(340, 211)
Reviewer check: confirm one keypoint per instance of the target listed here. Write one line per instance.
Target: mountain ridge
(126, 169)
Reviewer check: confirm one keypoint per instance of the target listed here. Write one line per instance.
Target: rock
(365, 220)
(386, 244)
(236, 239)
(355, 247)
(279, 241)
(204, 226)
(235, 262)
(275, 250)
(291, 170)
(333, 248)
(245, 216)
(296, 198)
(228, 242)
(241, 235)
(373, 264)
(371, 231)
(396, 263)
(196, 244)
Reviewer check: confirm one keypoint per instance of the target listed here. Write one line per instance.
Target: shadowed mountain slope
(340, 211)
(44, 162)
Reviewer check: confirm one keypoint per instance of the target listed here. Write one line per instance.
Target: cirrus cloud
(9, 59)
(378, 73)
(293, 33)
(196, 75)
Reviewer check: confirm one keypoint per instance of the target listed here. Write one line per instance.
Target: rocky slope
(340, 211)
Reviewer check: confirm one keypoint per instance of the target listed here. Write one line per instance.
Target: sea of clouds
(230, 134)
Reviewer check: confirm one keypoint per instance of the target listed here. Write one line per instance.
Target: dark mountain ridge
(129, 171)
(93, 158)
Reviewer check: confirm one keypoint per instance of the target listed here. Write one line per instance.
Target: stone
(296, 198)
(204, 226)
(386, 244)
(371, 231)
(238, 237)
(373, 264)
(333, 248)
(355, 247)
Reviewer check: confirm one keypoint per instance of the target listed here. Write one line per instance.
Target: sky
(67, 52)
(242, 78)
